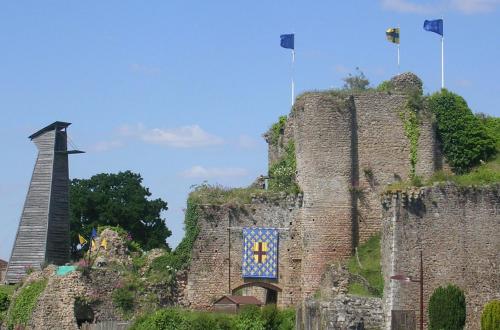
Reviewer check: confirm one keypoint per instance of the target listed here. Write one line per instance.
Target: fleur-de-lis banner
(260, 253)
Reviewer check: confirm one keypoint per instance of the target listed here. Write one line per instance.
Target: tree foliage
(117, 200)
(356, 82)
(490, 319)
(447, 309)
(464, 138)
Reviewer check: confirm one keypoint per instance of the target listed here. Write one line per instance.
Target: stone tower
(43, 233)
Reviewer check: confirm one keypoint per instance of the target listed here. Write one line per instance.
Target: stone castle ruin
(345, 143)
(348, 146)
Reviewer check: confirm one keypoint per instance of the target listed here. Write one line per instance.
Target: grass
(484, 174)
(219, 195)
(370, 269)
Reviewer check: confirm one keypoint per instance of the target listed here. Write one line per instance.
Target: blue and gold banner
(260, 253)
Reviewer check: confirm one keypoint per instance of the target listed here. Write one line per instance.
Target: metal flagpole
(293, 83)
(398, 60)
(442, 62)
(399, 41)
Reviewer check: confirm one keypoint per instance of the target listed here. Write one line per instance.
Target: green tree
(490, 319)
(447, 309)
(464, 138)
(117, 200)
(356, 82)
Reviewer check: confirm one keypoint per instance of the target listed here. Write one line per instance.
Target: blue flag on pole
(93, 234)
(287, 41)
(260, 253)
(435, 26)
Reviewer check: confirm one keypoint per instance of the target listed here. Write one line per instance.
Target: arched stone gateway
(266, 292)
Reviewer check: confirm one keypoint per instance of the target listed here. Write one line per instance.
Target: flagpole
(399, 32)
(293, 83)
(398, 60)
(442, 62)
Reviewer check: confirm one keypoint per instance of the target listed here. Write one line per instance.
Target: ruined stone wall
(217, 251)
(342, 312)
(458, 230)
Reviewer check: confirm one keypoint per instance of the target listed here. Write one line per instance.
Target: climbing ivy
(24, 304)
(276, 130)
(411, 124)
(282, 173)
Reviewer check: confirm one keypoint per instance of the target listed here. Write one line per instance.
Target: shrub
(276, 130)
(464, 138)
(24, 304)
(282, 173)
(124, 298)
(249, 319)
(357, 82)
(490, 319)
(163, 319)
(4, 301)
(447, 309)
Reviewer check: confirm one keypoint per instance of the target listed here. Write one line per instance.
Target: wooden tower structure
(43, 232)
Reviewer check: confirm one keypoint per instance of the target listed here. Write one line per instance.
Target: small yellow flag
(82, 239)
(93, 245)
(104, 244)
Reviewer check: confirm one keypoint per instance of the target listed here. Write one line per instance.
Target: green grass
(484, 174)
(371, 270)
(219, 195)
(24, 304)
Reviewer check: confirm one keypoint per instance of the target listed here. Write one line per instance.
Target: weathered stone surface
(458, 230)
(343, 312)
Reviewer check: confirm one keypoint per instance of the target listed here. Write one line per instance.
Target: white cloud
(205, 173)
(475, 6)
(192, 136)
(405, 6)
(437, 7)
(106, 145)
(463, 82)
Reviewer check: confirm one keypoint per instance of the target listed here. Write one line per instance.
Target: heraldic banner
(260, 253)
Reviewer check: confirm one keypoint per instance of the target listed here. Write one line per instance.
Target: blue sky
(181, 91)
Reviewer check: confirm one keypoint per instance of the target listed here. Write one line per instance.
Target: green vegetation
(356, 82)
(250, 318)
(490, 318)
(6, 292)
(411, 123)
(124, 297)
(219, 195)
(447, 309)
(117, 200)
(385, 86)
(24, 304)
(464, 137)
(492, 127)
(277, 130)
(282, 173)
(370, 269)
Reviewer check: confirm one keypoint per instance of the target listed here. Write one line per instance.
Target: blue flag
(287, 41)
(260, 253)
(93, 234)
(435, 26)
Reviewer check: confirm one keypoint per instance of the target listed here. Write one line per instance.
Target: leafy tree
(357, 82)
(464, 138)
(447, 309)
(117, 200)
(492, 126)
(490, 319)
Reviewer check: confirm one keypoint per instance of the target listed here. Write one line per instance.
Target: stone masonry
(349, 146)
(458, 231)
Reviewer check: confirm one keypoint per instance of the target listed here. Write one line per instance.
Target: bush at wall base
(447, 308)
(490, 319)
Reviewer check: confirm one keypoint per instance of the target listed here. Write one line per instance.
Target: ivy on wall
(282, 173)
(24, 304)
(276, 130)
(411, 124)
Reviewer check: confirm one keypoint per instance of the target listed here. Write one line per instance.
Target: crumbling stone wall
(458, 231)
(342, 312)
(215, 267)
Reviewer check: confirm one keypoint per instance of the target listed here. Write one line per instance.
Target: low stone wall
(342, 312)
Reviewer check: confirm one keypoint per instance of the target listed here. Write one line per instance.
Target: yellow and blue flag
(260, 253)
(392, 35)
